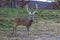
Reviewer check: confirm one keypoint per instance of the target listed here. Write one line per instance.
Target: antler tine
(36, 8)
(28, 9)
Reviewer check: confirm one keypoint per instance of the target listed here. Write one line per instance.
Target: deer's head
(31, 14)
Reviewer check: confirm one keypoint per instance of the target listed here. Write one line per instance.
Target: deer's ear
(30, 13)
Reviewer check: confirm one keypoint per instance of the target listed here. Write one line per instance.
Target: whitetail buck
(25, 21)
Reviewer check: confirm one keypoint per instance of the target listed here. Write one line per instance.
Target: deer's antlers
(30, 11)
(27, 9)
(36, 8)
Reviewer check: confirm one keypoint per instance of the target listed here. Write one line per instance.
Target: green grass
(18, 12)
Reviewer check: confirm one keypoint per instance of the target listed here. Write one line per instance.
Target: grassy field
(8, 14)
(46, 28)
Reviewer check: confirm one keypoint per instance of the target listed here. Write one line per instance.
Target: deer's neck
(30, 22)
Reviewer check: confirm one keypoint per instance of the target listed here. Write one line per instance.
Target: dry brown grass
(43, 30)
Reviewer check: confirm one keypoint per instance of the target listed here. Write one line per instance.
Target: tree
(24, 2)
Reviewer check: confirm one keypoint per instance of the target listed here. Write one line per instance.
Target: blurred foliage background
(7, 15)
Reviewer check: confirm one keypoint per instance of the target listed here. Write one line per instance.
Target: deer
(27, 22)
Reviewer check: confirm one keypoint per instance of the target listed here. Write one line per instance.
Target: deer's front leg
(28, 29)
(14, 29)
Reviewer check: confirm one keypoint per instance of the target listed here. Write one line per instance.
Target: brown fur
(22, 21)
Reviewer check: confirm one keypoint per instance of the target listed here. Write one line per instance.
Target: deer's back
(22, 21)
